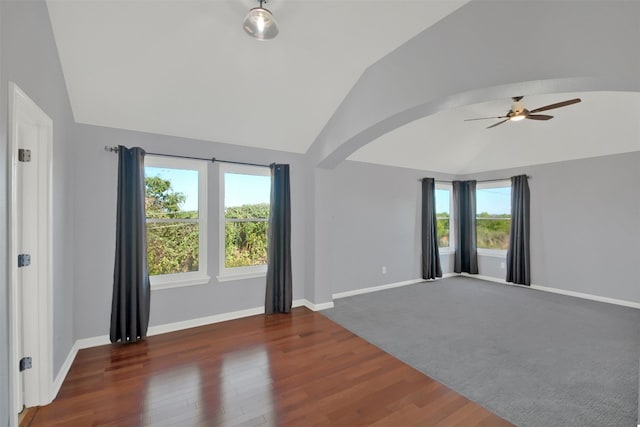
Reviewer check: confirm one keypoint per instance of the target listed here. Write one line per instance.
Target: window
(443, 215)
(493, 215)
(245, 193)
(175, 204)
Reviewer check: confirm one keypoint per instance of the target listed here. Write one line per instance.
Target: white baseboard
(587, 296)
(194, 323)
(559, 291)
(318, 307)
(92, 342)
(485, 278)
(376, 288)
(201, 321)
(191, 323)
(388, 286)
(299, 303)
(64, 370)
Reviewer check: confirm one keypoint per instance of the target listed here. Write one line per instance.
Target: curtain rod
(212, 159)
(484, 180)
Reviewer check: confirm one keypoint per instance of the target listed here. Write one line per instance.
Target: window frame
(191, 278)
(236, 273)
(445, 250)
(499, 253)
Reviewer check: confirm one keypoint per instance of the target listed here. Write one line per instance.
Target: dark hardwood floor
(283, 370)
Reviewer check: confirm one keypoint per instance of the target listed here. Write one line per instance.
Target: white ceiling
(186, 68)
(603, 123)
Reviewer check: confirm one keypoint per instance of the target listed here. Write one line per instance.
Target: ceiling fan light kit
(518, 112)
(260, 23)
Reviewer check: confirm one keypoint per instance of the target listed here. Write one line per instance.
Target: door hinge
(25, 363)
(24, 155)
(24, 260)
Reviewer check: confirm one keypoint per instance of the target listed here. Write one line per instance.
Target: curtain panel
(430, 254)
(279, 294)
(518, 255)
(131, 294)
(464, 220)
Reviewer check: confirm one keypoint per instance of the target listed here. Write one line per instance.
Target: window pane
(443, 233)
(493, 219)
(244, 189)
(245, 243)
(171, 193)
(493, 233)
(246, 211)
(172, 247)
(443, 209)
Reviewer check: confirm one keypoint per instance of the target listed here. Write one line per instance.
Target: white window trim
(192, 278)
(236, 273)
(451, 249)
(495, 253)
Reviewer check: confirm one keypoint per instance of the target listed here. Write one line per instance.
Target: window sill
(240, 276)
(159, 282)
(446, 251)
(495, 253)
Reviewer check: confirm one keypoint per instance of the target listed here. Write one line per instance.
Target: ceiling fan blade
(496, 124)
(539, 117)
(486, 118)
(556, 105)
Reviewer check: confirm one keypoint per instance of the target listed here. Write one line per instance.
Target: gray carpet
(532, 357)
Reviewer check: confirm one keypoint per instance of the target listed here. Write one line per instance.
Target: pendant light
(260, 23)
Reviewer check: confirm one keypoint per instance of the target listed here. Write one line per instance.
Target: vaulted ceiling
(186, 68)
(603, 123)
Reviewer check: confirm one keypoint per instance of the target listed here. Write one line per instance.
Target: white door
(30, 138)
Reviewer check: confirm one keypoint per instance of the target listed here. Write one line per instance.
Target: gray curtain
(279, 284)
(518, 265)
(430, 255)
(131, 294)
(464, 220)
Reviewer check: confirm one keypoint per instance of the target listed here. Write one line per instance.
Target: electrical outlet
(384, 269)
(502, 265)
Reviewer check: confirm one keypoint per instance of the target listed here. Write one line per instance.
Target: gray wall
(585, 233)
(584, 226)
(320, 190)
(4, 303)
(374, 221)
(30, 59)
(95, 182)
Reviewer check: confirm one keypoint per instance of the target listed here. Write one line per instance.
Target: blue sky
(242, 189)
(239, 189)
(494, 201)
(442, 201)
(182, 181)
(491, 200)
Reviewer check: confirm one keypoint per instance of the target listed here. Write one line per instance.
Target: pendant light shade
(260, 23)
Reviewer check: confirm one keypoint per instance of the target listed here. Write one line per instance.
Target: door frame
(22, 108)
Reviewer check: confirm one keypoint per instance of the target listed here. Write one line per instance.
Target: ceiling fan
(518, 112)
